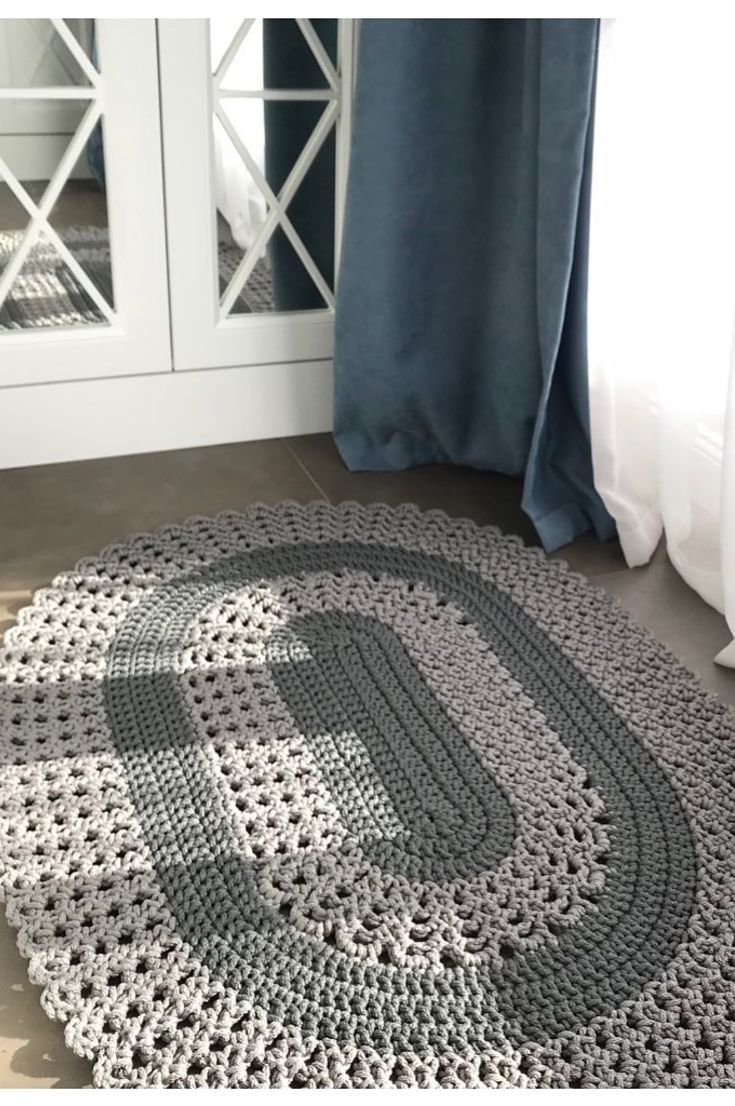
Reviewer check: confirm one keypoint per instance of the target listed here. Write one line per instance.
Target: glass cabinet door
(81, 208)
(256, 127)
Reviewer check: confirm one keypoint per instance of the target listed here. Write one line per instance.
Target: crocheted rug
(46, 293)
(364, 797)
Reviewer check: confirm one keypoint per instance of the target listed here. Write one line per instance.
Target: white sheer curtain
(662, 297)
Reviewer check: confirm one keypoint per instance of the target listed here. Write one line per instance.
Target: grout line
(305, 470)
(635, 570)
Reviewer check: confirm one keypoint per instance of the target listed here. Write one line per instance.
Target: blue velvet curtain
(460, 323)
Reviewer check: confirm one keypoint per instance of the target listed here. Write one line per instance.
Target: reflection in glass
(33, 53)
(239, 196)
(58, 271)
(287, 260)
(45, 293)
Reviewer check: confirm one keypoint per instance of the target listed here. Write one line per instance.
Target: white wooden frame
(203, 334)
(136, 337)
(35, 134)
(158, 411)
(106, 391)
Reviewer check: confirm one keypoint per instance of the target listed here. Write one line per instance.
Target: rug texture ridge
(315, 796)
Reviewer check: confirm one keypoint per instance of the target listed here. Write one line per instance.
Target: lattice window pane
(54, 239)
(275, 92)
(47, 293)
(34, 53)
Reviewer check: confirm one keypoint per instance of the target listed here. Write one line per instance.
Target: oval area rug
(317, 796)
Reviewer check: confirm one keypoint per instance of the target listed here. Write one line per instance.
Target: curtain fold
(662, 299)
(460, 323)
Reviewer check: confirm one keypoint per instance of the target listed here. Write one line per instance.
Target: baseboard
(47, 423)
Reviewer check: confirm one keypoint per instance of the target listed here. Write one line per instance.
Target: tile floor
(81, 203)
(50, 516)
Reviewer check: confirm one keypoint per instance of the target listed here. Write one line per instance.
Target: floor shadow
(11, 603)
(32, 1047)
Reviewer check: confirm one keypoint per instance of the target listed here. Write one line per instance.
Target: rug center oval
(363, 757)
(426, 834)
(408, 783)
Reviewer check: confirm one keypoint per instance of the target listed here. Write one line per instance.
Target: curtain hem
(726, 656)
(565, 523)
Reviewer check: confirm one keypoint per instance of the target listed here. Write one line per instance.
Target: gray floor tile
(53, 514)
(487, 497)
(659, 599)
(32, 1048)
(81, 203)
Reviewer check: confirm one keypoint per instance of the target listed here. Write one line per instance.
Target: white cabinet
(104, 295)
(166, 283)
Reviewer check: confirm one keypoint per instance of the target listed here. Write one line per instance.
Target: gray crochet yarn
(47, 294)
(365, 797)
